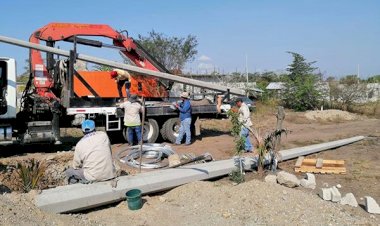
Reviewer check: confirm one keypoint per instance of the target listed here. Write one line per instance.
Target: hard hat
(88, 125)
(114, 74)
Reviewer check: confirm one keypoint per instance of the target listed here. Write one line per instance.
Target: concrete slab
(325, 194)
(371, 205)
(309, 181)
(77, 197)
(349, 199)
(335, 194)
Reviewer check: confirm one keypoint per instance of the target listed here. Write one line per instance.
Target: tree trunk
(280, 118)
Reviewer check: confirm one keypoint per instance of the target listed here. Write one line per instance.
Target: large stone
(271, 179)
(325, 194)
(349, 199)
(309, 181)
(287, 179)
(371, 205)
(335, 195)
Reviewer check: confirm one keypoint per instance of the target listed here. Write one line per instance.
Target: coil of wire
(153, 155)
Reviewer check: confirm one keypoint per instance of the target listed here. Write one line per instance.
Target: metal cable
(152, 152)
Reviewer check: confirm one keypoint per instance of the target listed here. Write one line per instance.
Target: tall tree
(172, 52)
(301, 91)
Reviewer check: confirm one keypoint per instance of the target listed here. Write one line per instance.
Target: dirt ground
(218, 202)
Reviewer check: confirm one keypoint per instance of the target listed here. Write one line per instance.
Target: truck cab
(8, 106)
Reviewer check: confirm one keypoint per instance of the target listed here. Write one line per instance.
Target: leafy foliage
(235, 131)
(172, 52)
(300, 91)
(374, 79)
(267, 144)
(347, 91)
(30, 174)
(236, 176)
(99, 67)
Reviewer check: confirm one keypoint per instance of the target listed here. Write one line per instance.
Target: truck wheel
(151, 131)
(170, 129)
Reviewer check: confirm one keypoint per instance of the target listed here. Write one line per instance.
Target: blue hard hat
(88, 125)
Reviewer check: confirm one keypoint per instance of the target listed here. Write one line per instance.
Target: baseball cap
(88, 125)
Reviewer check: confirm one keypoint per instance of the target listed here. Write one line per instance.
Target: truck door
(7, 88)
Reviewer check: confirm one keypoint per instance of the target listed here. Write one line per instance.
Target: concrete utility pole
(246, 73)
(130, 68)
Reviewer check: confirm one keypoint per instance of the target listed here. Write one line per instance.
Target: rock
(284, 192)
(162, 199)
(335, 194)
(174, 160)
(339, 186)
(309, 182)
(287, 179)
(325, 185)
(371, 205)
(349, 199)
(325, 194)
(271, 179)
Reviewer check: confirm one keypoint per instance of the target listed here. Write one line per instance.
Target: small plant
(267, 145)
(235, 131)
(30, 174)
(236, 176)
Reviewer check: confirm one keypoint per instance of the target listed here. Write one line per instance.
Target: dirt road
(219, 202)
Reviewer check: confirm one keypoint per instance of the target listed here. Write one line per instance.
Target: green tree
(374, 79)
(301, 91)
(172, 52)
(99, 67)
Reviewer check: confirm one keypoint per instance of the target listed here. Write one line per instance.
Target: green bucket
(134, 199)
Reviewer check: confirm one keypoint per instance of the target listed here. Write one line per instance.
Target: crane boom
(123, 66)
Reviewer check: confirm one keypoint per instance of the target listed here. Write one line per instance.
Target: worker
(132, 109)
(184, 109)
(122, 78)
(92, 157)
(246, 123)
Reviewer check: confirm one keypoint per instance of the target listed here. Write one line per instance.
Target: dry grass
(217, 125)
(371, 109)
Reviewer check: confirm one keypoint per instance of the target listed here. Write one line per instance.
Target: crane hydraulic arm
(42, 74)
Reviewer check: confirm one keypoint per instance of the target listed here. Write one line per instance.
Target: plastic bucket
(134, 199)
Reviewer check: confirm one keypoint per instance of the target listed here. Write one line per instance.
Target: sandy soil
(209, 203)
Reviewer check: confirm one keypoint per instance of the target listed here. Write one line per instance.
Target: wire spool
(154, 156)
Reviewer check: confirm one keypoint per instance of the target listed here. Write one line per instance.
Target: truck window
(3, 71)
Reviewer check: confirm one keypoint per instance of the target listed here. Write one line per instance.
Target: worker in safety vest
(122, 78)
(92, 157)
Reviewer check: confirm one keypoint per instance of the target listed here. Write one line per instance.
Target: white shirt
(132, 113)
(245, 115)
(93, 154)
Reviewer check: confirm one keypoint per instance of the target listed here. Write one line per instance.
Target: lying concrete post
(77, 197)
(307, 150)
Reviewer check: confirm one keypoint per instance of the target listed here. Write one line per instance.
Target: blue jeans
(244, 132)
(131, 131)
(184, 129)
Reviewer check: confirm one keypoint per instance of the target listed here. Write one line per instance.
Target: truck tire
(170, 128)
(151, 131)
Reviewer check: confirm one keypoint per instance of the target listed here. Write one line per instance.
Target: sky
(342, 36)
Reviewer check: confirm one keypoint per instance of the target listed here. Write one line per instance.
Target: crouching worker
(123, 78)
(92, 157)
